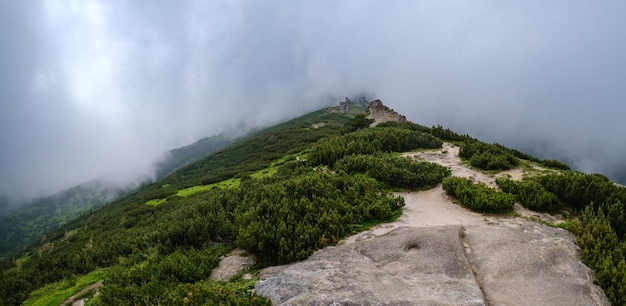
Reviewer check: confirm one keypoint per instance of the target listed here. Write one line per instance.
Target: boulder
(509, 261)
(408, 266)
(519, 262)
(381, 113)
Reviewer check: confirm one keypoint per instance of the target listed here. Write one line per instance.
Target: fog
(100, 89)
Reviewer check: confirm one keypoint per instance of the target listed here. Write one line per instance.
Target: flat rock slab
(504, 262)
(408, 266)
(519, 262)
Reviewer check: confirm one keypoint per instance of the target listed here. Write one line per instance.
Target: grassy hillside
(281, 194)
(32, 221)
(184, 155)
(129, 231)
(23, 226)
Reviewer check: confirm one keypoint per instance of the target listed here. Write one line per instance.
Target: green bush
(530, 194)
(437, 131)
(604, 252)
(555, 164)
(478, 196)
(398, 172)
(285, 219)
(358, 122)
(488, 156)
(178, 278)
(368, 141)
(579, 190)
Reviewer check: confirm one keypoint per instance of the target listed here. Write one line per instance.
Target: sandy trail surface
(448, 156)
(434, 207)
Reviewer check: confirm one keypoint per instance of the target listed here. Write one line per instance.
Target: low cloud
(102, 88)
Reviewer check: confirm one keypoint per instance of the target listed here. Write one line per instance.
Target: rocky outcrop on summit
(381, 113)
(344, 106)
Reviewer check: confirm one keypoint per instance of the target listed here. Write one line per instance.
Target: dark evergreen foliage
(604, 252)
(551, 163)
(358, 122)
(488, 156)
(397, 172)
(286, 218)
(368, 141)
(478, 196)
(437, 131)
(530, 194)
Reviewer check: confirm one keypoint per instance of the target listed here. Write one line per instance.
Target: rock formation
(381, 113)
(515, 262)
(344, 106)
(405, 267)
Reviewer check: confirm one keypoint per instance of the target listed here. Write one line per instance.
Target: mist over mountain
(102, 88)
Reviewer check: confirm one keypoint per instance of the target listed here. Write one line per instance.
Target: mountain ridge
(302, 185)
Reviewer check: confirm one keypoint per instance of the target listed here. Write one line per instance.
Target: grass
(155, 202)
(56, 293)
(273, 168)
(229, 183)
(264, 172)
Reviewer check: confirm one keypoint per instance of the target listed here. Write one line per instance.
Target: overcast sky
(94, 89)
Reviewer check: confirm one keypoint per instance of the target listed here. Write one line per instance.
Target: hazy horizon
(101, 89)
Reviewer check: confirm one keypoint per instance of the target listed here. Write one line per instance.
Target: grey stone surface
(381, 113)
(408, 266)
(508, 262)
(520, 262)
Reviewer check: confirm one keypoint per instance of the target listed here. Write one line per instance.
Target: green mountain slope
(190, 153)
(280, 194)
(23, 226)
(113, 231)
(32, 221)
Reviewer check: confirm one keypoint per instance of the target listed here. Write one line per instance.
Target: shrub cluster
(176, 279)
(437, 131)
(488, 156)
(358, 122)
(478, 196)
(579, 190)
(367, 141)
(551, 163)
(604, 252)
(286, 219)
(530, 194)
(397, 172)
(498, 157)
